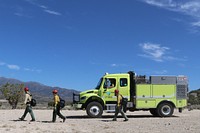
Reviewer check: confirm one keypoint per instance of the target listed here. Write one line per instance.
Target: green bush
(13, 93)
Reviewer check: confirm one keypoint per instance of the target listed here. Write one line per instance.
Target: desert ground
(78, 122)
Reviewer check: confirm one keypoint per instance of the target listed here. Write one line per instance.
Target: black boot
(21, 119)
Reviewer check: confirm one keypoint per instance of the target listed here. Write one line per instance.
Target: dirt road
(78, 122)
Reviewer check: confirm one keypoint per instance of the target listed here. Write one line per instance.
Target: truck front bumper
(77, 106)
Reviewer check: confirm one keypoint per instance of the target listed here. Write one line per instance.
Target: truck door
(109, 88)
(124, 87)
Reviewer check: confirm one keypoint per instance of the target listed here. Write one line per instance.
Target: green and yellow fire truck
(158, 94)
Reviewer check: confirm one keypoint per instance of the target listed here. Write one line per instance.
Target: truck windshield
(99, 84)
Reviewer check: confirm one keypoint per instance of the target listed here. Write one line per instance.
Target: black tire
(165, 109)
(94, 110)
(153, 112)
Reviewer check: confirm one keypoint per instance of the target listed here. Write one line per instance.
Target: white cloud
(153, 51)
(19, 11)
(196, 23)
(163, 3)
(52, 12)
(33, 70)
(191, 7)
(14, 67)
(44, 8)
(187, 7)
(118, 65)
(18, 14)
(161, 72)
(158, 53)
(113, 65)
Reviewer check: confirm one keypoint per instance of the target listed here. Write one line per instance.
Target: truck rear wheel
(165, 110)
(94, 110)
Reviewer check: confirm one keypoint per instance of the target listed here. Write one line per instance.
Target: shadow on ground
(111, 116)
(18, 120)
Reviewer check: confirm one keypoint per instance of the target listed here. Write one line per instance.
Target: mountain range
(42, 93)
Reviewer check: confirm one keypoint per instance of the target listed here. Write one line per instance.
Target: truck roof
(115, 75)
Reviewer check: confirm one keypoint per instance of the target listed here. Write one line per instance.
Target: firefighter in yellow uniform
(56, 110)
(119, 107)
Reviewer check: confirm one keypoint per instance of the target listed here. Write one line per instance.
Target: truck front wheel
(94, 110)
(165, 110)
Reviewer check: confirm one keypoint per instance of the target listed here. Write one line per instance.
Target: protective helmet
(26, 89)
(55, 91)
(116, 91)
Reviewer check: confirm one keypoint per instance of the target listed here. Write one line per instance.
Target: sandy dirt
(78, 122)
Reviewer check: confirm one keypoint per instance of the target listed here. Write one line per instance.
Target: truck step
(110, 108)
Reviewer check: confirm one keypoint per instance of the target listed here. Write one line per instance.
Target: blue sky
(72, 43)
